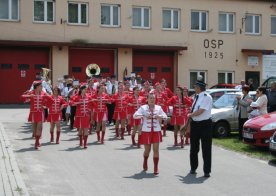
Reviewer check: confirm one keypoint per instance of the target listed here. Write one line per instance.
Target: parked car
(217, 93)
(225, 114)
(224, 86)
(257, 131)
(272, 144)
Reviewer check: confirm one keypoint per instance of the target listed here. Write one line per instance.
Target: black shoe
(192, 172)
(207, 175)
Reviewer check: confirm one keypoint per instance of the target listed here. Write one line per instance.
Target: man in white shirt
(111, 89)
(201, 129)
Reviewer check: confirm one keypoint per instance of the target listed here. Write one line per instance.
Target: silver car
(225, 114)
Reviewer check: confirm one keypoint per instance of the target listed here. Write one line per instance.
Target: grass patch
(233, 143)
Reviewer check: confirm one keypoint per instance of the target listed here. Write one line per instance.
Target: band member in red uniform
(90, 91)
(120, 112)
(135, 102)
(83, 119)
(100, 99)
(181, 105)
(164, 88)
(37, 99)
(161, 99)
(129, 93)
(55, 103)
(151, 135)
(187, 133)
(146, 89)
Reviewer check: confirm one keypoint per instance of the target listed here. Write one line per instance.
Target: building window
(253, 24)
(194, 75)
(141, 17)
(199, 21)
(78, 13)
(171, 18)
(273, 25)
(226, 22)
(110, 15)
(225, 77)
(43, 11)
(9, 10)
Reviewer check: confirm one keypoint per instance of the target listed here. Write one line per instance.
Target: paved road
(115, 168)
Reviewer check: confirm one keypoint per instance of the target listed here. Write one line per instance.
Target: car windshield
(226, 100)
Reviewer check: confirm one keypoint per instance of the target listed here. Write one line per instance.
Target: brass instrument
(45, 75)
(45, 72)
(92, 69)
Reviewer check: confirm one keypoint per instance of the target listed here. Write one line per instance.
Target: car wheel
(221, 129)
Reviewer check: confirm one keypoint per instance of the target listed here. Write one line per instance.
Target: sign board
(23, 73)
(253, 61)
(269, 66)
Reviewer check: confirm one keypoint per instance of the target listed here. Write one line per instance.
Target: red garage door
(80, 58)
(18, 66)
(154, 65)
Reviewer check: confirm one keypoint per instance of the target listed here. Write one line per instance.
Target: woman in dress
(82, 122)
(120, 111)
(151, 115)
(135, 101)
(55, 103)
(181, 105)
(100, 114)
(37, 100)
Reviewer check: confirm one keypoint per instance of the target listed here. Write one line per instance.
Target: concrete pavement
(115, 168)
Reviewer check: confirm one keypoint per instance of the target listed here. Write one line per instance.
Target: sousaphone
(92, 69)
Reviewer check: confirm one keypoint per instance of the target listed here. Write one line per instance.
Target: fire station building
(225, 41)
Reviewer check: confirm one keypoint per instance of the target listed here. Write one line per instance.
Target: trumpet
(92, 69)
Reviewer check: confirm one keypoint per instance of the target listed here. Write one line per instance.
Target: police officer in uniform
(201, 129)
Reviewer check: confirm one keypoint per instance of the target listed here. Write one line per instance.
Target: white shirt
(205, 102)
(149, 121)
(109, 87)
(262, 104)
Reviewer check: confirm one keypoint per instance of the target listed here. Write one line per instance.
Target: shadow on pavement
(73, 149)
(142, 175)
(26, 138)
(71, 139)
(128, 147)
(175, 148)
(191, 179)
(26, 149)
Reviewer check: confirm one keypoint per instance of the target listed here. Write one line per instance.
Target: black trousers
(46, 113)
(201, 131)
(63, 114)
(110, 108)
(72, 116)
(241, 123)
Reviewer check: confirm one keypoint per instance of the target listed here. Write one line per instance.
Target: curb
(11, 182)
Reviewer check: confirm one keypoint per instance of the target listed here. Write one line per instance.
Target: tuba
(92, 69)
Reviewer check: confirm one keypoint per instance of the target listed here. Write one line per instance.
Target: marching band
(143, 110)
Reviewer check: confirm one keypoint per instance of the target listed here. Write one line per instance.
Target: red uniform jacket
(121, 102)
(168, 92)
(136, 103)
(99, 102)
(37, 101)
(161, 99)
(180, 108)
(83, 104)
(54, 104)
